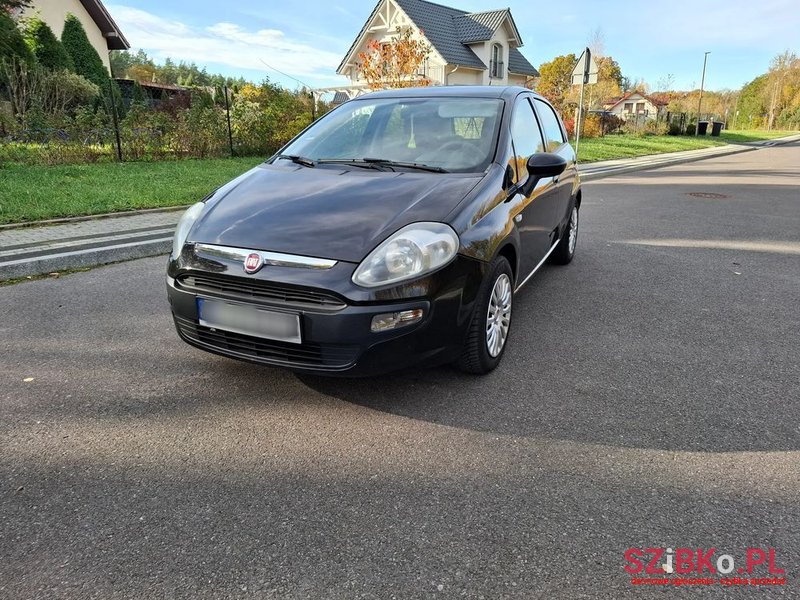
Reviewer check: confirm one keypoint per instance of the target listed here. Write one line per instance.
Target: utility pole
(700, 102)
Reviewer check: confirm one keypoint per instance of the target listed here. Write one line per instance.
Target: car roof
(452, 91)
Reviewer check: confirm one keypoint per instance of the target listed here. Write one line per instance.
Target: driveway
(648, 398)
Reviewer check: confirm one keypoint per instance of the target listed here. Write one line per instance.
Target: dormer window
(497, 67)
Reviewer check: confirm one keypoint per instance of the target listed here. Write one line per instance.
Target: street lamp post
(700, 102)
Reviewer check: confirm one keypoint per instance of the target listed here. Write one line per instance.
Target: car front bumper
(335, 315)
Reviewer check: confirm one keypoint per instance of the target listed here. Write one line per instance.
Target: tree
(784, 78)
(395, 64)
(609, 82)
(138, 95)
(44, 44)
(7, 6)
(555, 82)
(12, 44)
(85, 58)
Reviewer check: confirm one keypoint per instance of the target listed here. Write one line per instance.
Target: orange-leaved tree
(395, 64)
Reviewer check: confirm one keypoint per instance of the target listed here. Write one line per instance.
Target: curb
(75, 259)
(601, 173)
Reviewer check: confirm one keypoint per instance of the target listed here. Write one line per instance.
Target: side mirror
(541, 166)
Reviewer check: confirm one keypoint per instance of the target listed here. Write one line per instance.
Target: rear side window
(551, 126)
(526, 137)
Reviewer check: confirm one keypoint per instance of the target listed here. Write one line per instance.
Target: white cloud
(225, 44)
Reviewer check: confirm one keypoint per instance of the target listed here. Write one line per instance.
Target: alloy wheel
(498, 316)
(573, 230)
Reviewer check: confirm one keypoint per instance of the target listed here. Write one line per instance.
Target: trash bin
(703, 128)
(716, 128)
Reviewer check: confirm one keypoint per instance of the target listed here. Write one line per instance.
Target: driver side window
(526, 138)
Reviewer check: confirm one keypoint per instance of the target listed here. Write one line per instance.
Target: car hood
(325, 212)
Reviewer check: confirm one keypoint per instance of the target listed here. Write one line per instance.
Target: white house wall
(464, 76)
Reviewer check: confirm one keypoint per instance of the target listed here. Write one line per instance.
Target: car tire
(482, 350)
(565, 251)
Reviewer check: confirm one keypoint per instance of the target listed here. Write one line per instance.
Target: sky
(306, 39)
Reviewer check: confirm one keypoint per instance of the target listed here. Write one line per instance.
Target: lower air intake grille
(268, 351)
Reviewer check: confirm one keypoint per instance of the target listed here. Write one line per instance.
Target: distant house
(102, 31)
(635, 104)
(466, 48)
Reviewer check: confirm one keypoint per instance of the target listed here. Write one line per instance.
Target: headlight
(184, 226)
(413, 251)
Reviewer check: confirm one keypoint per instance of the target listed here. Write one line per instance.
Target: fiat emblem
(253, 263)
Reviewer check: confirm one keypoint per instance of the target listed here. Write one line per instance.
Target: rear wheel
(565, 251)
(491, 321)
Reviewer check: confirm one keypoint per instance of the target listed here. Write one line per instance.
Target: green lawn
(627, 146)
(29, 193)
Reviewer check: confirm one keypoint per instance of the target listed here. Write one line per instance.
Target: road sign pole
(584, 80)
(578, 121)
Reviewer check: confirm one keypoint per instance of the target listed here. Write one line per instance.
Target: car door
(531, 213)
(556, 203)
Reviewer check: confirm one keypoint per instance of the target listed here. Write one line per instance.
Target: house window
(628, 107)
(640, 107)
(497, 65)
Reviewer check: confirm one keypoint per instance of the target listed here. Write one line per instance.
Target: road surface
(648, 398)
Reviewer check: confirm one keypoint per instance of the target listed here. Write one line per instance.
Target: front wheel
(491, 321)
(565, 251)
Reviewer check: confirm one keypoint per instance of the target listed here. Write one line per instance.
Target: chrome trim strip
(274, 259)
(537, 267)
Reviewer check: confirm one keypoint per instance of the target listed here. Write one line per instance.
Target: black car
(395, 230)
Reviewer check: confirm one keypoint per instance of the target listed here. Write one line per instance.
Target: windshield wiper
(355, 162)
(298, 160)
(405, 165)
(372, 163)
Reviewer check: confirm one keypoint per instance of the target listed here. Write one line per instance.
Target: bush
(37, 93)
(44, 45)
(655, 127)
(251, 128)
(86, 60)
(645, 127)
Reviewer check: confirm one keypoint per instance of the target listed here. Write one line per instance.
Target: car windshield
(447, 134)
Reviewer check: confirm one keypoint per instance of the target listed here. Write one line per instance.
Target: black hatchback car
(395, 230)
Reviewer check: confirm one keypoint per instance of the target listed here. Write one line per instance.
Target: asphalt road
(648, 398)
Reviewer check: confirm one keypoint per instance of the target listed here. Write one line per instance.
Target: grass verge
(32, 193)
(612, 147)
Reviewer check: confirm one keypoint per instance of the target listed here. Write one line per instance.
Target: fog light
(389, 321)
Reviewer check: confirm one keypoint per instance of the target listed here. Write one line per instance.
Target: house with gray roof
(466, 48)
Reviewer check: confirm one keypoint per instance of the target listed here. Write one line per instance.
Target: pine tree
(44, 45)
(12, 44)
(85, 58)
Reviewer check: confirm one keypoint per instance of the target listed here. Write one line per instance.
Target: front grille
(240, 288)
(268, 351)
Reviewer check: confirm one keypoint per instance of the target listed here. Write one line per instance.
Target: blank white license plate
(249, 320)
